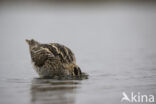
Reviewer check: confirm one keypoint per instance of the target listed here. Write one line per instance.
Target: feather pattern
(53, 59)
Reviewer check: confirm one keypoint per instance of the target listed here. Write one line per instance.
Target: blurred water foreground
(114, 42)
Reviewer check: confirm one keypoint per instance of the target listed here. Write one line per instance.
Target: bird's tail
(32, 42)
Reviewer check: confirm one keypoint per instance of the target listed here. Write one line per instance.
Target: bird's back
(61, 52)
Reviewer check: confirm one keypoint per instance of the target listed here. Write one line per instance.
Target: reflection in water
(49, 91)
(113, 42)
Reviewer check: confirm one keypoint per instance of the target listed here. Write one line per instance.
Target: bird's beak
(27, 41)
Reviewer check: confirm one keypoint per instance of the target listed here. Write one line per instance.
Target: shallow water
(113, 42)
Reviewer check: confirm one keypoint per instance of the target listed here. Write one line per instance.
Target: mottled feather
(53, 59)
(62, 52)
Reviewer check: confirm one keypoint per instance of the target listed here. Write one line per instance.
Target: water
(113, 42)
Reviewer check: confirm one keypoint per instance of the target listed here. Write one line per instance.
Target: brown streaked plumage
(53, 59)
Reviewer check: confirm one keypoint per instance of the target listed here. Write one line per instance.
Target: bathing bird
(53, 59)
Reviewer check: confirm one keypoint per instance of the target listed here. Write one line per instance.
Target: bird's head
(76, 70)
(32, 43)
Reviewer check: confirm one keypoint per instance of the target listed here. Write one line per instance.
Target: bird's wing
(40, 56)
(66, 53)
(61, 52)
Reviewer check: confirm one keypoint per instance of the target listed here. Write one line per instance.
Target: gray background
(114, 42)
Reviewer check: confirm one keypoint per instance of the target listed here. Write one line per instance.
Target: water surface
(113, 42)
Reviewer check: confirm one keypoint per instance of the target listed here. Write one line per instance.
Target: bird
(53, 59)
